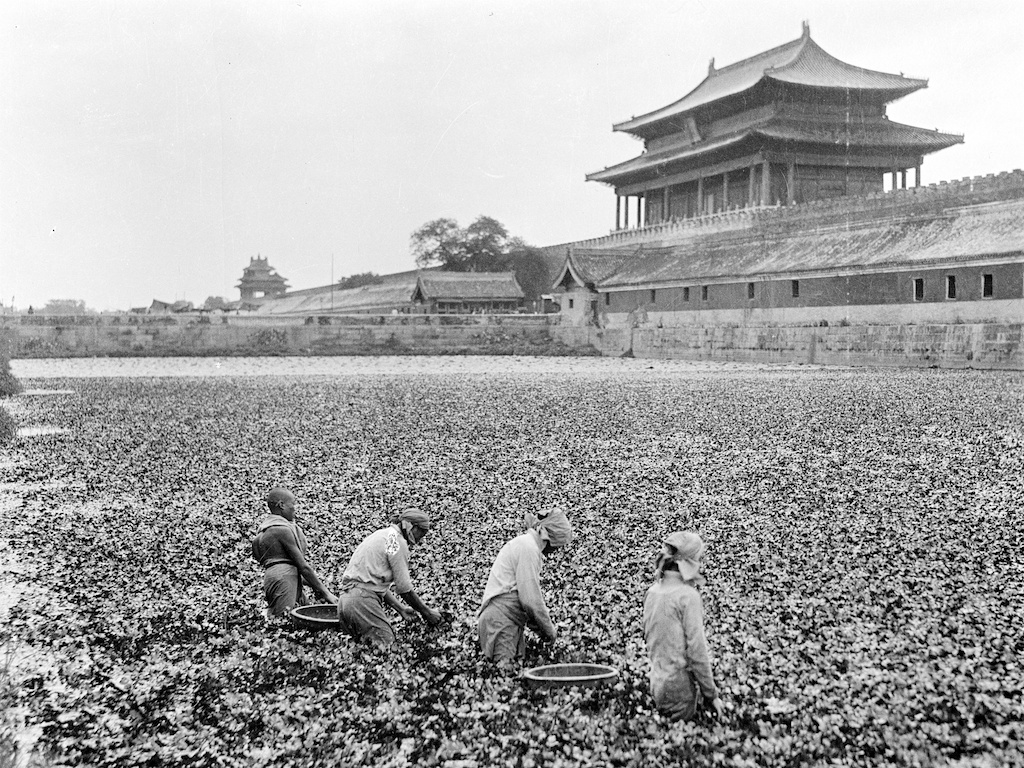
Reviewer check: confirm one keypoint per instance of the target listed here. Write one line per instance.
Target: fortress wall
(932, 198)
(985, 346)
(117, 336)
(990, 345)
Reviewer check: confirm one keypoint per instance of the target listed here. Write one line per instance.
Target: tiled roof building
(789, 125)
(259, 280)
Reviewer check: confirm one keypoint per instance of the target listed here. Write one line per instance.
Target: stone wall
(980, 345)
(945, 345)
(185, 335)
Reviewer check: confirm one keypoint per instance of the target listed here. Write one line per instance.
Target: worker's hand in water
(715, 707)
(408, 614)
(432, 617)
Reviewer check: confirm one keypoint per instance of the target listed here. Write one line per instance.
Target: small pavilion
(259, 280)
(790, 125)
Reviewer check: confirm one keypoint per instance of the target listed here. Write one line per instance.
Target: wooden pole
(766, 183)
(618, 211)
(750, 185)
(700, 195)
(725, 191)
(791, 183)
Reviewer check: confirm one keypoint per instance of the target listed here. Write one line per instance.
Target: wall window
(796, 289)
(703, 293)
(918, 289)
(750, 290)
(987, 286)
(950, 286)
(686, 293)
(570, 303)
(607, 299)
(652, 295)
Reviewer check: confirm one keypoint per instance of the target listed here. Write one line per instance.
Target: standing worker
(380, 561)
(674, 631)
(280, 547)
(512, 598)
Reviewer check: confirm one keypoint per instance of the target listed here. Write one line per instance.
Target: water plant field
(865, 588)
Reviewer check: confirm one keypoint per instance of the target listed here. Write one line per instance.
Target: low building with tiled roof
(468, 292)
(787, 126)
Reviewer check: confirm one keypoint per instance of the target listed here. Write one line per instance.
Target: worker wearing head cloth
(377, 570)
(512, 599)
(680, 673)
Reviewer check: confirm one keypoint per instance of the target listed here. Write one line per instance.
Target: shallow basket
(319, 616)
(565, 675)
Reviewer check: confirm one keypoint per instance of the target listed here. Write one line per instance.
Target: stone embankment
(944, 345)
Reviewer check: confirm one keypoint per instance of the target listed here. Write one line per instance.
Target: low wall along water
(950, 345)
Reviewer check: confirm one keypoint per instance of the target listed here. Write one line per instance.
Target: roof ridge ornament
(806, 31)
(711, 66)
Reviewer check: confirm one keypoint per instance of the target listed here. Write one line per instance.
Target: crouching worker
(674, 631)
(512, 599)
(380, 561)
(280, 547)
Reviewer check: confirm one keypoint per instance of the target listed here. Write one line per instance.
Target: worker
(280, 547)
(680, 673)
(512, 598)
(378, 569)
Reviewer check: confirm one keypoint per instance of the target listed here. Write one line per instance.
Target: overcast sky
(149, 148)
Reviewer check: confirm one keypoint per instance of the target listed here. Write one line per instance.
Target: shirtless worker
(378, 565)
(280, 547)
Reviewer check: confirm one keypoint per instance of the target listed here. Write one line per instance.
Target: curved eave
(647, 161)
(801, 62)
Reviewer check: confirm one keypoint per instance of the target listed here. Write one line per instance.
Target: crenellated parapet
(932, 199)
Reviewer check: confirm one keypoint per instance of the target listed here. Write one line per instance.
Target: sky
(150, 148)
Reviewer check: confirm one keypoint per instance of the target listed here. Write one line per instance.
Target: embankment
(950, 345)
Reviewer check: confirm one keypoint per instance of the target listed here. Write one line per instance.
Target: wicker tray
(565, 675)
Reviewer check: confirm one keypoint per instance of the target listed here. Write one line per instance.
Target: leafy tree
(360, 279)
(441, 243)
(483, 246)
(215, 302)
(66, 307)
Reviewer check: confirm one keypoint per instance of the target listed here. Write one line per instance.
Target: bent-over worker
(680, 672)
(379, 563)
(280, 547)
(512, 599)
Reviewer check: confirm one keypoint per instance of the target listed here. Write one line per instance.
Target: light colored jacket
(517, 569)
(674, 632)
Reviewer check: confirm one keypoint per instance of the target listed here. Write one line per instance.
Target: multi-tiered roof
(795, 106)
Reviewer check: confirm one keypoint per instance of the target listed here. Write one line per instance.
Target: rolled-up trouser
(501, 625)
(282, 587)
(676, 695)
(361, 614)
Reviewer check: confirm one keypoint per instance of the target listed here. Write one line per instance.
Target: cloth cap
(687, 544)
(413, 515)
(553, 526)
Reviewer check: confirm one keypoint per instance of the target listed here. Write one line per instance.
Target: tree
(360, 279)
(66, 307)
(483, 246)
(441, 243)
(215, 302)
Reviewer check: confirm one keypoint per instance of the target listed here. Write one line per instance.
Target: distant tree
(442, 243)
(359, 280)
(483, 246)
(215, 302)
(533, 270)
(66, 307)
